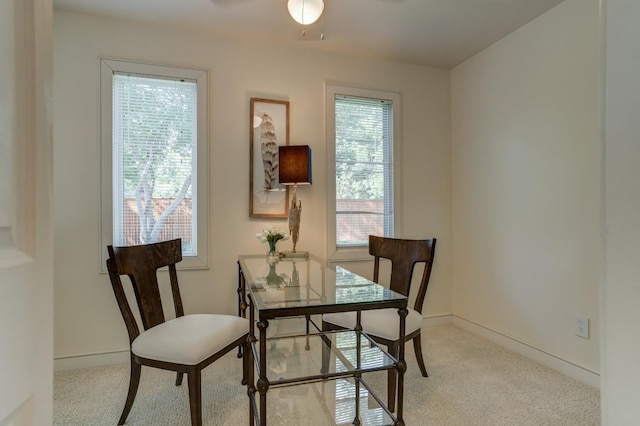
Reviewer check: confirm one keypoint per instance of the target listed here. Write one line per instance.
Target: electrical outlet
(582, 327)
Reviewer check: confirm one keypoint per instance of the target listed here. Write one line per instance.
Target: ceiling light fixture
(305, 12)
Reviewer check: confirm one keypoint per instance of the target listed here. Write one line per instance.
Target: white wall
(621, 291)
(26, 261)
(527, 231)
(86, 316)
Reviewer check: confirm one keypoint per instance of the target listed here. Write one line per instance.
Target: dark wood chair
(383, 325)
(185, 344)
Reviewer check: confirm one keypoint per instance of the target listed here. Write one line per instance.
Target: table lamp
(294, 169)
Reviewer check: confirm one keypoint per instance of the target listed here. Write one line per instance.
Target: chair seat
(381, 322)
(189, 339)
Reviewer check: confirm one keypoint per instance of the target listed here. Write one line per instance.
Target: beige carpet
(471, 382)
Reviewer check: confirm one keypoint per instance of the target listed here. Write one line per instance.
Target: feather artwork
(269, 151)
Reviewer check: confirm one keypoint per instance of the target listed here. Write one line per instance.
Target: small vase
(273, 255)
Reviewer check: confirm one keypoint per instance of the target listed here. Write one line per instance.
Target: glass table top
(307, 286)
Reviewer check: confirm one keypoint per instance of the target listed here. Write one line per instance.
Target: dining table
(289, 348)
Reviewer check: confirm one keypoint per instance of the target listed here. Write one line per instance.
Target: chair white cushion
(383, 323)
(189, 339)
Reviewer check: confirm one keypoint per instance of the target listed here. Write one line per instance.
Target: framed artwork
(268, 129)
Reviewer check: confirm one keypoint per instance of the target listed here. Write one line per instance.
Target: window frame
(358, 253)
(107, 68)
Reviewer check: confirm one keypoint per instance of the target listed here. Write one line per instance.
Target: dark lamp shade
(294, 164)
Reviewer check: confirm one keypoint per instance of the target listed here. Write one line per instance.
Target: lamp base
(294, 254)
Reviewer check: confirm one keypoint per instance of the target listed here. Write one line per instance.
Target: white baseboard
(435, 321)
(97, 359)
(550, 360)
(566, 367)
(75, 362)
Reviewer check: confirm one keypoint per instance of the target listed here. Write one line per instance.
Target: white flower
(272, 235)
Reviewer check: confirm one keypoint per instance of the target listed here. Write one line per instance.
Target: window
(154, 157)
(363, 144)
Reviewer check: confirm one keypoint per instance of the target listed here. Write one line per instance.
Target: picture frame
(268, 129)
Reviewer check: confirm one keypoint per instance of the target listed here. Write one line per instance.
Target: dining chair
(184, 344)
(382, 325)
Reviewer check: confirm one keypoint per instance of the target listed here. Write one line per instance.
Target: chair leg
(245, 361)
(417, 347)
(179, 378)
(392, 376)
(195, 396)
(306, 343)
(326, 349)
(134, 381)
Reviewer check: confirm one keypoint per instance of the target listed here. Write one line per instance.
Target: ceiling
(439, 33)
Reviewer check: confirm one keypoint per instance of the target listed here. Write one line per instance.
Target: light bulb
(305, 12)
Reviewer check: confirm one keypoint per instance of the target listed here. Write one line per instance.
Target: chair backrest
(403, 254)
(140, 264)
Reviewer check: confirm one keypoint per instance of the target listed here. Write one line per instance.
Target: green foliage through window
(154, 133)
(363, 156)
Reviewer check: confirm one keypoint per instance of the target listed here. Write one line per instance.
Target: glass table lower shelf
(325, 403)
(322, 379)
(300, 358)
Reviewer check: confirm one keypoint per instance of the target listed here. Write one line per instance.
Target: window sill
(187, 263)
(349, 254)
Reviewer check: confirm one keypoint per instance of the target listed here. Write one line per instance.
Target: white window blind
(154, 160)
(363, 169)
